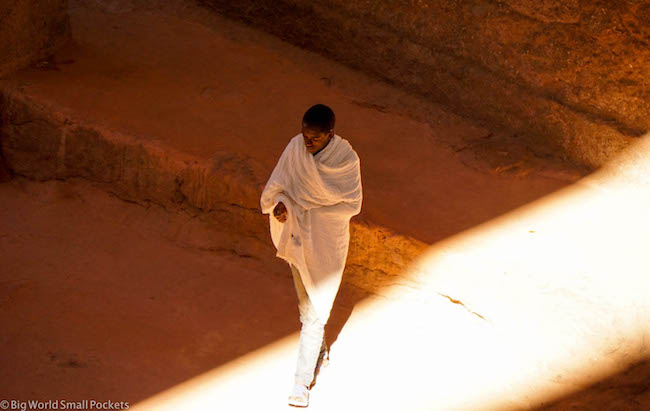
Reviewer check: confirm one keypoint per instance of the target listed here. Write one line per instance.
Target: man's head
(318, 127)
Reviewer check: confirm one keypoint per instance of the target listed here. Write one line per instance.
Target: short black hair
(320, 117)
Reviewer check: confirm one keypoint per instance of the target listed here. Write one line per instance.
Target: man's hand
(280, 212)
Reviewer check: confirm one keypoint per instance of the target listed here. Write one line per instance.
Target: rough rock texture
(573, 73)
(174, 108)
(30, 30)
(222, 194)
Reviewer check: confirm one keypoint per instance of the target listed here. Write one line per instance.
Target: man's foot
(299, 396)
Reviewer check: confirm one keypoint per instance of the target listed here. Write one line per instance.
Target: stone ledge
(42, 143)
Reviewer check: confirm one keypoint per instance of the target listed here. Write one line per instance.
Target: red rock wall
(30, 30)
(573, 73)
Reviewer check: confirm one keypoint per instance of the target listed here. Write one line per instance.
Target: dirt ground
(101, 300)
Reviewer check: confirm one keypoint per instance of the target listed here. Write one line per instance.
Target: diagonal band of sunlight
(508, 315)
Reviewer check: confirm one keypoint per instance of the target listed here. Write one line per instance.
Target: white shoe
(299, 396)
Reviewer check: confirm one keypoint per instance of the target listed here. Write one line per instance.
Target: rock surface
(108, 300)
(481, 275)
(166, 107)
(30, 31)
(573, 73)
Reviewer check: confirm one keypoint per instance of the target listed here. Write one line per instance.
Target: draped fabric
(321, 193)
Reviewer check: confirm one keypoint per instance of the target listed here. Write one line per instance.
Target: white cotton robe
(321, 193)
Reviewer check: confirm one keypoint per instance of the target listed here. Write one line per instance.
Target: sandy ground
(96, 302)
(101, 301)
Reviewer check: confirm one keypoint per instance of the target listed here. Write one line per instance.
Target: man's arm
(352, 206)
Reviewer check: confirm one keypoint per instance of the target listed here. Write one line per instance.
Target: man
(310, 197)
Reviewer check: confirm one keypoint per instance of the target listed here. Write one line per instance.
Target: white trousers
(312, 346)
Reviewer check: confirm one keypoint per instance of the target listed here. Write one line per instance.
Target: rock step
(43, 143)
(186, 109)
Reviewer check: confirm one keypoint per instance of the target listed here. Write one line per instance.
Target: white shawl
(321, 193)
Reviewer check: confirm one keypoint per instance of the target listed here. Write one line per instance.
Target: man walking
(312, 193)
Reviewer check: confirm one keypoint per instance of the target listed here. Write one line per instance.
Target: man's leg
(312, 345)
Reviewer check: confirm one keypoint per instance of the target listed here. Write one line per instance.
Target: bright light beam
(510, 314)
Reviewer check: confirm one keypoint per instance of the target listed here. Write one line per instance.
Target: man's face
(315, 139)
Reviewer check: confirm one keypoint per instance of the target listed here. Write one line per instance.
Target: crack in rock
(461, 303)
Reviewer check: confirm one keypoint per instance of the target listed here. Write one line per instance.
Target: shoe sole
(295, 404)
